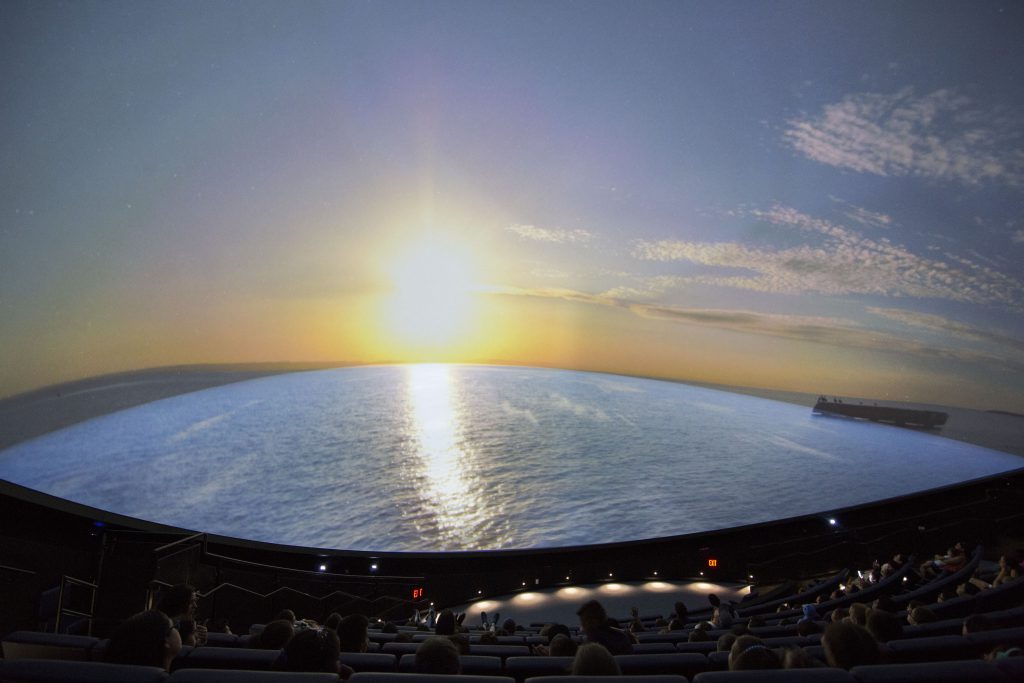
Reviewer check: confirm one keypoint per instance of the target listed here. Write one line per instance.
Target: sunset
(420, 183)
(382, 340)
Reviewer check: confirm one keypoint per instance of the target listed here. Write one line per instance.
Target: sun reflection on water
(450, 489)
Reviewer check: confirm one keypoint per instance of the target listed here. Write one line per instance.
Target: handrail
(186, 539)
(371, 577)
(19, 570)
(61, 610)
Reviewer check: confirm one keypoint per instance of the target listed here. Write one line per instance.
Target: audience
(352, 636)
(180, 603)
(147, 639)
(749, 652)
(594, 625)
(848, 645)
(313, 650)
(274, 635)
(594, 659)
(438, 656)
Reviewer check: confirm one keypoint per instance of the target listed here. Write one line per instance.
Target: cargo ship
(901, 417)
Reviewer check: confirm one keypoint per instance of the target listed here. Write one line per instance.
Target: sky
(808, 196)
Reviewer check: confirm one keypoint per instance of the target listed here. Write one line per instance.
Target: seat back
(70, 671)
(36, 645)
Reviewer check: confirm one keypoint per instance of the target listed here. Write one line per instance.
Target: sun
(432, 294)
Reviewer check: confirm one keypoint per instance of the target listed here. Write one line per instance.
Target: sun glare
(432, 296)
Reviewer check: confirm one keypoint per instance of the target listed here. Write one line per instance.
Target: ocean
(463, 457)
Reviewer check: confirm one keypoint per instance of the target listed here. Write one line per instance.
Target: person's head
(725, 642)
(921, 615)
(562, 646)
(594, 659)
(976, 623)
(179, 602)
(750, 652)
(807, 627)
(592, 615)
(714, 600)
(698, 635)
(509, 626)
(389, 628)
(859, 613)
(286, 614)
(839, 614)
(886, 604)
(681, 611)
(438, 656)
(332, 621)
(848, 645)
(352, 635)
(147, 638)
(311, 650)
(445, 625)
(797, 658)
(274, 635)
(883, 626)
(403, 637)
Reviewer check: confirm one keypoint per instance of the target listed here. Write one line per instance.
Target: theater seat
(679, 664)
(608, 679)
(382, 677)
(826, 675)
(522, 668)
(222, 676)
(974, 671)
(68, 671)
(36, 645)
(934, 649)
(226, 658)
(653, 648)
(472, 665)
(368, 661)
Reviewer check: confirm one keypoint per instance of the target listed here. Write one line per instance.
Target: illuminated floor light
(323, 567)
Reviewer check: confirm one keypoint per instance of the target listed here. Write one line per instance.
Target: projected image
(791, 199)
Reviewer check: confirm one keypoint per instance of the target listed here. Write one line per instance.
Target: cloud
(943, 325)
(844, 262)
(865, 217)
(942, 136)
(1017, 237)
(830, 331)
(555, 235)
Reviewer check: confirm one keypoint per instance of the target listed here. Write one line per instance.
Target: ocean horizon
(463, 457)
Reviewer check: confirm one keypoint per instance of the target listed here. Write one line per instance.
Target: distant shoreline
(40, 411)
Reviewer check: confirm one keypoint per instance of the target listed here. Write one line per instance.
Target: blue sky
(817, 196)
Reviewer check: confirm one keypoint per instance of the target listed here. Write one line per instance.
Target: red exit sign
(712, 562)
(417, 593)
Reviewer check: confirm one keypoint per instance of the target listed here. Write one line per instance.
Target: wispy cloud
(555, 235)
(942, 135)
(865, 217)
(1017, 237)
(947, 326)
(844, 262)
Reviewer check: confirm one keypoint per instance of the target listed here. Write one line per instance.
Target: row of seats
(58, 671)
(933, 649)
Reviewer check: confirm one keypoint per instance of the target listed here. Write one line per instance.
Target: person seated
(313, 650)
(848, 645)
(721, 614)
(807, 627)
(332, 621)
(594, 659)
(438, 655)
(146, 639)
(883, 626)
(274, 635)
(635, 625)
(180, 603)
(681, 612)
(976, 623)
(798, 658)
(594, 625)
(445, 624)
(509, 626)
(750, 652)
(352, 635)
(725, 642)
(921, 615)
(1009, 569)
(562, 646)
